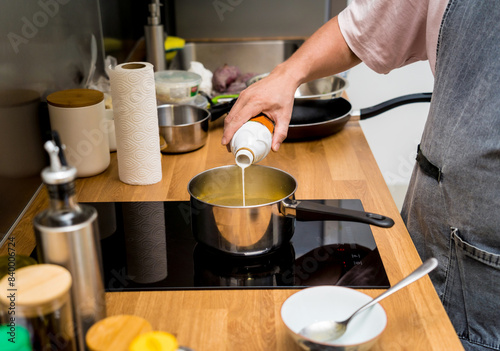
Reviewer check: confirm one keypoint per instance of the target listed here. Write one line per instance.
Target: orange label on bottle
(263, 119)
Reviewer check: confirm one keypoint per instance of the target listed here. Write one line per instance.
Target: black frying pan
(313, 119)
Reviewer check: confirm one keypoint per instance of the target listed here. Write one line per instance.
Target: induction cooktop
(149, 246)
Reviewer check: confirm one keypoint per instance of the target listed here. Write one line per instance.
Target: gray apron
(452, 208)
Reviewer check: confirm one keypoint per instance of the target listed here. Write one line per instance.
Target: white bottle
(252, 142)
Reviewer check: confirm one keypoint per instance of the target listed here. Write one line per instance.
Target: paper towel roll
(136, 123)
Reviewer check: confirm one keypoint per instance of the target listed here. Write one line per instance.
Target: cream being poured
(243, 159)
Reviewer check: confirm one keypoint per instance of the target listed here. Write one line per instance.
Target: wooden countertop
(340, 166)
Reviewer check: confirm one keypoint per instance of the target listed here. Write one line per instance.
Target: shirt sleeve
(386, 34)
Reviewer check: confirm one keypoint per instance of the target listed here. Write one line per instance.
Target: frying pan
(314, 119)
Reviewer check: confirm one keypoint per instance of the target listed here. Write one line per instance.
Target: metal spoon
(331, 330)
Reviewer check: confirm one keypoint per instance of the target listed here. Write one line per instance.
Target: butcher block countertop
(337, 167)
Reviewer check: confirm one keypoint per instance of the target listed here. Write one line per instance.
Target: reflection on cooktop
(149, 246)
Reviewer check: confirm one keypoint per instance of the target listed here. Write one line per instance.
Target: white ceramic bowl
(333, 303)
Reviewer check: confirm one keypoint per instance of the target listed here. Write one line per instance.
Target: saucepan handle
(311, 211)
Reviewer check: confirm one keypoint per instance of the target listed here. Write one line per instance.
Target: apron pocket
(472, 292)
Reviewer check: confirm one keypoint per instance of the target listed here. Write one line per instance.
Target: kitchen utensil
(221, 222)
(20, 136)
(329, 301)
(78, 115)
(184, 127)
(330, 330)
(314, 119)
(40, 298)
(67, 234)
(322, 88)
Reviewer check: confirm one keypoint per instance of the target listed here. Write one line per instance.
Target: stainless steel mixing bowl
(322, 88)
(184, 127)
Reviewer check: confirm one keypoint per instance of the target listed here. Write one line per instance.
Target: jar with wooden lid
(116, 332)
(37, 298)
(20, 134)
(78, 115)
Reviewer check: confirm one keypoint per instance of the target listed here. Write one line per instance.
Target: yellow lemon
(154, 341)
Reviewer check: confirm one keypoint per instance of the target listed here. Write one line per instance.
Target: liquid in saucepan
(254, 194)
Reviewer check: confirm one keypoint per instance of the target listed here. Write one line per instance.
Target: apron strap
(427, 167)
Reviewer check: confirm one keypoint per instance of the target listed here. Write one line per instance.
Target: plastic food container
(176, 86)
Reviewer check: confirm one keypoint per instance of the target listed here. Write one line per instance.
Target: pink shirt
(388, 34)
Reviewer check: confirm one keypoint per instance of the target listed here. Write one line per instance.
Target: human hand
(273, 96)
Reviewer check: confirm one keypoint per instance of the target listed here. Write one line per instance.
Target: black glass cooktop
(149, 246)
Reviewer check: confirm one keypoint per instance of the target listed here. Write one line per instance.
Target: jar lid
(75, 98)
(116, 332)
(20, 335)
(39, 289)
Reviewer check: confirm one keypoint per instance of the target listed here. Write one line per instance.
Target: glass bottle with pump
(252, 142)
(67, 234)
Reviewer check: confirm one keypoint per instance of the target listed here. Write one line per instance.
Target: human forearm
(323, 54)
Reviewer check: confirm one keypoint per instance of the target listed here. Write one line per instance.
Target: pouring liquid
(243, 161)
(243, 184)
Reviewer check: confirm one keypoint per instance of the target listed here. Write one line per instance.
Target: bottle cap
(264, 120)
(14, 338)
(244, 157)
(154, 341)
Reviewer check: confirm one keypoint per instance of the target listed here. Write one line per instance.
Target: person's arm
(323, 54)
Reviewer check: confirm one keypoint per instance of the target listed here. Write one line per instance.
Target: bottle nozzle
(244, 158)
(154, 13)
(59, 171)
(53, 151)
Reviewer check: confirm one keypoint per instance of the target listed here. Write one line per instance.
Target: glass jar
(38, 298)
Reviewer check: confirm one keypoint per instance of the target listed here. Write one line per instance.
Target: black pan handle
(311, 211)
(220, 110)
(368, 112)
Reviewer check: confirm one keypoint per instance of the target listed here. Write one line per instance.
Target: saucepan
(319, 118)
(267, 221)
(184, 127)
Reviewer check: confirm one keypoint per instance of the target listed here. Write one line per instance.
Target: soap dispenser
(67, 234)
(155, 37)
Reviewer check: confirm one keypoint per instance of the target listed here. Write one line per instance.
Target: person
(452, 207)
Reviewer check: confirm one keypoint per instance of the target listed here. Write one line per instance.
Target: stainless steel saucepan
(220, 221)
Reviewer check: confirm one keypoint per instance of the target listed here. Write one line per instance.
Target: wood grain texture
(340, 166)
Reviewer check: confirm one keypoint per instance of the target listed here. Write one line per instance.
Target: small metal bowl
(184, 127)
(321, 303)
(322, 88)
